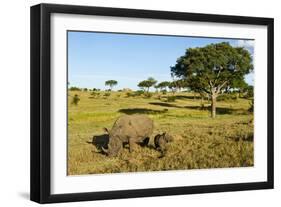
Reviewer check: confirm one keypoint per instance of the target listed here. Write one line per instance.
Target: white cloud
(245, 43)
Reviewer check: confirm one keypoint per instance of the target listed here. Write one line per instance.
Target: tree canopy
(163, 85)
(147, 83)
(111, 83)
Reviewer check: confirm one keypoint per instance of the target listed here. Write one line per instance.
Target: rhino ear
(164, 134)
(106, 130)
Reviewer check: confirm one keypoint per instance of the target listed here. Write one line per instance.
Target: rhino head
(114, 144)
(168, 137)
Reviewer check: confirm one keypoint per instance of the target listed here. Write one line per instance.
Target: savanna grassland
(199, 140)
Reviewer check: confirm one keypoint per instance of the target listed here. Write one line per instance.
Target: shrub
(75, 100)
(139, 92)
(228, 97)
(251, 108)
(106, 94)
(148, 95)
(129, 94)
(73, 88)
(95, 94)
(249, 92)
(171, 98)
(134, 94)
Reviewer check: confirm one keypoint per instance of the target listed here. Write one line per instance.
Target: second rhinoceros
(131, 129)
(161, 140)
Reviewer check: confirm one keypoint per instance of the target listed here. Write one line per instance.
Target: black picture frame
(41, 98)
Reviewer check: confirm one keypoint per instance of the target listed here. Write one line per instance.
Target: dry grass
(200, 141)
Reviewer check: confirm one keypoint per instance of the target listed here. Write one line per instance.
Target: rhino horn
(104, 150)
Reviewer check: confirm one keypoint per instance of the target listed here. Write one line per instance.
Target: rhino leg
(145, 142)
(132, 144)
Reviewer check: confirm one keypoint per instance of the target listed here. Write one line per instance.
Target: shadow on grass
(219, 110)
(100, 141)
(142, 111)
(182, 97)
(249, 137)
(164, 104)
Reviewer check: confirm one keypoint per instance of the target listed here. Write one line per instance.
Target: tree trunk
(214, 103)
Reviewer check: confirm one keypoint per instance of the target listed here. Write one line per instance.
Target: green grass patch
(199, 141)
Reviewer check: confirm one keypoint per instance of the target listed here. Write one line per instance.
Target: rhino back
(132, 126)
(142, 124)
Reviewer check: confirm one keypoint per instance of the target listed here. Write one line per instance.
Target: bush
(139, 92)
(95, 94)
(95, 89)
(75, 100)
(148, 95)
(249, 92)
(73, 88)
(228, 97)
(129, 94)
(134, 94)
(106, 94)
(171, 98)
(251, 108)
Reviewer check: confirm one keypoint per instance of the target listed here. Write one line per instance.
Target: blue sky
(94, 57)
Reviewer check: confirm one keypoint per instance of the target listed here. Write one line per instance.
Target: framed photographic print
(133, 103)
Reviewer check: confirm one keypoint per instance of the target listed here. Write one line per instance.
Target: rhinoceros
(161, 140)
(131, 129)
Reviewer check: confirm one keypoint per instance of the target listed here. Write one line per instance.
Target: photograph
(150, 102)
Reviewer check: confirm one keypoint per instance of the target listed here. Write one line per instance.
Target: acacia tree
(177, 85)
(163, 85)
(111, 83)
(147, 83)
(212, 68)
(173, 86)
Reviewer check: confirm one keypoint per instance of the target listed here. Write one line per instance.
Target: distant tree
(74, 88)
(85, 89)
(146, 84)
(213, 68)
(238, 86)
(75, 100)
(173, 86)
(249, 92)
(251, 108)
(177, 85)
(111, 83)
(156, 88)
(163, 85)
